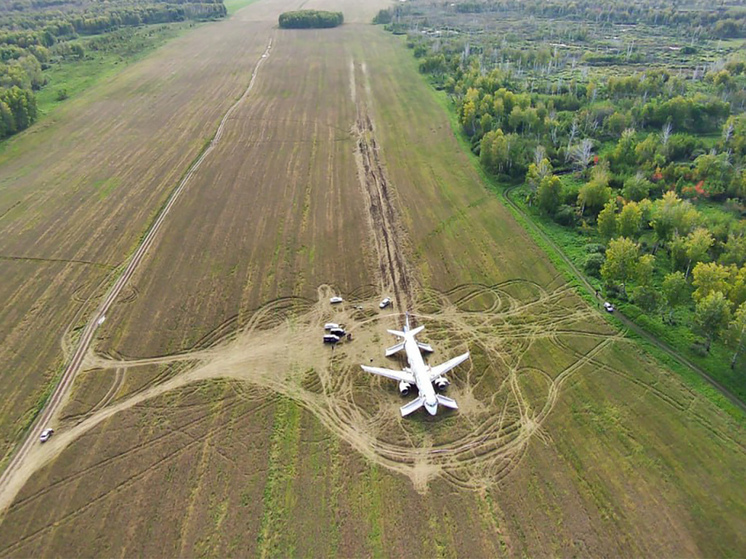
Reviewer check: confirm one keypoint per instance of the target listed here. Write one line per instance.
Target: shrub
(565, 215)
(699, 349)
(593, 248)
(592, 264)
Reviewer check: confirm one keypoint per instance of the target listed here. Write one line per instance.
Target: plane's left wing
(389, 373)
(435, 372)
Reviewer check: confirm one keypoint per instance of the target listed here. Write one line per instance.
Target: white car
(385, 303)
(331, 325)
(335, 300)
(609, 307)
(46, 435)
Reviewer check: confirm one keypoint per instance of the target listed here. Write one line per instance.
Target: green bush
(565, 216)
(592, 264)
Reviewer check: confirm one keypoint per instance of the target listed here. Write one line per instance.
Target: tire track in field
(386, 229)
(279, 349)
(13, 477)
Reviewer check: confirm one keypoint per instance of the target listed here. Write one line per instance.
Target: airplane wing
(388, 373)
(394, 348)
(446, 401)
(414, 405)
(435, 372)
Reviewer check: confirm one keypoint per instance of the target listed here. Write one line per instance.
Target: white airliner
(418, 374)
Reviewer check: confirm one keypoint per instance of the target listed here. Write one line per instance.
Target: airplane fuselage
(418, 373)
(421, 374)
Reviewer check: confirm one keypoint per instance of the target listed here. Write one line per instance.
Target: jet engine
(441, 383)
(404, 388)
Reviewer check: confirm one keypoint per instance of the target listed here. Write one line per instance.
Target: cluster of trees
(699, 16)
(651, 162)
(702, 256)
(310, 19)
(717, 291)
(493, 104)
(37, 33)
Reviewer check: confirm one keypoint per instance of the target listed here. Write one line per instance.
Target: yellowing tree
(712, 315)
(698, 245)
(630, 220)
(673, 215)
(709, 278)
(607, 220)
(548, 194)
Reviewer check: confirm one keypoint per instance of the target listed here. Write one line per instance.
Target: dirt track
(386, 229)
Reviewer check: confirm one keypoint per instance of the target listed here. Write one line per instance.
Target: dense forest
(35, 34)
(310, 19)
(623, 126)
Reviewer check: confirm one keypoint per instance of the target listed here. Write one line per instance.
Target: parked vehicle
(385, 303)
(46, 434)
(335, 300)
(609, 307)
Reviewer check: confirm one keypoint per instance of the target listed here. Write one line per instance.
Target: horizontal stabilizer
(446, 401)
(425, 347)
(435, 372)
(416, 331)
(414, 405)
(394, 348)
(389, 373)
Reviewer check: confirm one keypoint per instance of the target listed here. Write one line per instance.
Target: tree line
(37, 33)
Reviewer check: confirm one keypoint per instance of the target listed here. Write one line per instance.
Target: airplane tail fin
(425, 347)
(412, 406)
(446, 401)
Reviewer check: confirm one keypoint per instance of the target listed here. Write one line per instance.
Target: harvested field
(208, 419)
(78, 191)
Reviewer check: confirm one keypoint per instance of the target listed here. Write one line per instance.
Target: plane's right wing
(435, 372)
(389, 373)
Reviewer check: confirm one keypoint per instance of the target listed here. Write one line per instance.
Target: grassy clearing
(74, 77)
